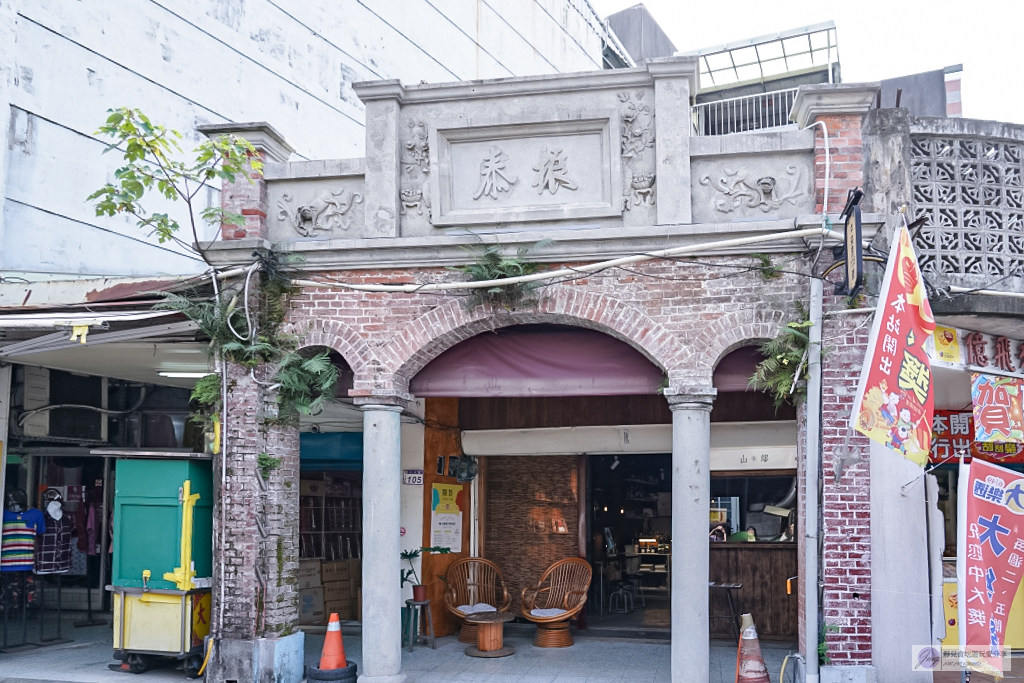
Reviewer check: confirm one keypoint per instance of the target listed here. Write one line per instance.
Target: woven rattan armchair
(561, 594)
(474, 581)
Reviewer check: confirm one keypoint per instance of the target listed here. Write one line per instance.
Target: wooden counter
(762, 568)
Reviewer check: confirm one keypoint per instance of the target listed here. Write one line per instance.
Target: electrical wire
(106, 411)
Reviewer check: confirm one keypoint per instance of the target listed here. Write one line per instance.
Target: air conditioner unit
(43, 387)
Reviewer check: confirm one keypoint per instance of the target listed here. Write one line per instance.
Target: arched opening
(330, 502)
(570, 440)
(753, 515)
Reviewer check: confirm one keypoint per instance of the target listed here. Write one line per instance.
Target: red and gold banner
(895, 399)
(997, 408)
(953, 436)
(991, 562)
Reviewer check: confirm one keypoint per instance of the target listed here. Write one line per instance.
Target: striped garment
(17, 550)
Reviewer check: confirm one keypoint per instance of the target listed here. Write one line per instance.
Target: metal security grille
(738, 114)
(970, 190)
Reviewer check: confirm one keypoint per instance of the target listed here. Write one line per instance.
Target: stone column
(382, 503)
(691, 499)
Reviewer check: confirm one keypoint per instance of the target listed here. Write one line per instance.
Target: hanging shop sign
(739, 459)
(953, 436)
(997, 408)
(895, 397)
(990, 560)
(853, 253)
(446, 503)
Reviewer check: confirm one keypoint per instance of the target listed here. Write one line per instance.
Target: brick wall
(248, 199)
(260, 542)
(846, 525)
(847, 149)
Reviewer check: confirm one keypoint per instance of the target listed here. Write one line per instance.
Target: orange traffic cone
(333, 655)
(750, 666)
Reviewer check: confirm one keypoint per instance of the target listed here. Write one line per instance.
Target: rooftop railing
(739, 114)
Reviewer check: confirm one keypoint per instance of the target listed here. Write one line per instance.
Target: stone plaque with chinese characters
(527, 171)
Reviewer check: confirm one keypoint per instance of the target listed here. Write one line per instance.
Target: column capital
(824, 99)
(380, 401)
(369, 407)
(260, 135)
(684, 398)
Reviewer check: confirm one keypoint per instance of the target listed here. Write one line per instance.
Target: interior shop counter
(762, 568)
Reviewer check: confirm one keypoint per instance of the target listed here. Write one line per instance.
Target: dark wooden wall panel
(440, 438)
(589, 411)
(762, 568)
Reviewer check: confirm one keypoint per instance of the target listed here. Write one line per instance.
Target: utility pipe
(985, 292)
(587, 268)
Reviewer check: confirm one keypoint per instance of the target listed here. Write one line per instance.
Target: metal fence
(738, 114)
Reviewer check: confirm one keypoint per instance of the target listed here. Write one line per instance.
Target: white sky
(877, 38)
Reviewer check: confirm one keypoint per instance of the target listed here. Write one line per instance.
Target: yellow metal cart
(162, 543)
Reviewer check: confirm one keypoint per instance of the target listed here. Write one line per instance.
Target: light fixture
(184, 375)
(622, 512)
(615, 462)
(606, 508)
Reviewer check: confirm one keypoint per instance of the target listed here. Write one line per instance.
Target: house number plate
(412, 477)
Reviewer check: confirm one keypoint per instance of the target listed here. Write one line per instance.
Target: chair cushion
(550, 612)
(478, 607)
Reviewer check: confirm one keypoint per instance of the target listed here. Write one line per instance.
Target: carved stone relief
(494, 177)
(551, 171)
(327, 212)
(415, 193)
(737, 189)
(637, 137)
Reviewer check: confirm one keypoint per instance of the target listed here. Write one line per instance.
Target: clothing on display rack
(17, 551)
(54, 556)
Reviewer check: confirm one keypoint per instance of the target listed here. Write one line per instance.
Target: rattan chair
(474, 581)
(562, 590)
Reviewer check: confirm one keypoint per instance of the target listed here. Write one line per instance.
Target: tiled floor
(591, 659)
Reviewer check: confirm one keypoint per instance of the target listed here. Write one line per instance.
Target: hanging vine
(783, 372)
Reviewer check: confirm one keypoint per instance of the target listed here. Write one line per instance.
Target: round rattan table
(490, 634)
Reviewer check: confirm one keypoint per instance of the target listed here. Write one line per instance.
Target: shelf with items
(330, 516)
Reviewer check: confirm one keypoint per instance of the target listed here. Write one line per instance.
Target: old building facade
(598, 166)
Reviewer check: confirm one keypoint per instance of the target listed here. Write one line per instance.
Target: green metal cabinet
(148, 520)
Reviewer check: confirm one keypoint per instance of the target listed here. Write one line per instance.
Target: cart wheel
(138, 664)
(192, 666)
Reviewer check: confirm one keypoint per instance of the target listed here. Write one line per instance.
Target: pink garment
(539, 360)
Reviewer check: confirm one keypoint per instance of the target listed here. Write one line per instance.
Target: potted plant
(419, 592)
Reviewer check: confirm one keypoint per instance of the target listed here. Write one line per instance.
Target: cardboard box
(309, 574)
(345, 609)
(355, 569)
(310, 487)
(311, 606)
(338, 590)
(335, 571)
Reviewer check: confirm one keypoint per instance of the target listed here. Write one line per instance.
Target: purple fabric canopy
(538, 360)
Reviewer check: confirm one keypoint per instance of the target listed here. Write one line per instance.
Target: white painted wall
(63, 63)
(412, 496)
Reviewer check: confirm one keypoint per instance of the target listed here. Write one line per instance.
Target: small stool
(624, 594)
(417, 610)
(733, 615)
(636, 586)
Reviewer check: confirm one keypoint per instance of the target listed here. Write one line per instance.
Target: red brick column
(248, 196)
(845, 506)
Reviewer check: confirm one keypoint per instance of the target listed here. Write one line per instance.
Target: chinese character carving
(551, 172)
(494, 177)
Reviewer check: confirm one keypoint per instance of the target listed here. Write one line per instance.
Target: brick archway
(733, 330)
(334, 335)
(427, 337)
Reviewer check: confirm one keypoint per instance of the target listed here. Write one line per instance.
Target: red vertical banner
(895, 399)
(990, 567)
